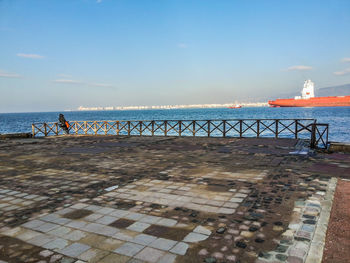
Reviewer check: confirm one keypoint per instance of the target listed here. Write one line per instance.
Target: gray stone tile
(163, 244)
(60, 231)
(150, 254)
(46, 227)
(105, 210)
(236, 200)
(143, 239)
(93, 217)
(74, 250)
(106, 220)
(138, 226)
(33, 224)
(28, 234)
(79, 206)
(77, 224)
(180, 248)
(150, 219)
(40, 240)
(167, 258)
(167, 222)
(58, 243)
(75, 235)
(195, 237)
(129, 249)
(134, 216)
(119, 213)
(202, 230)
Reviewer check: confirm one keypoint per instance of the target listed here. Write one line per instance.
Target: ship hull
(340, 101)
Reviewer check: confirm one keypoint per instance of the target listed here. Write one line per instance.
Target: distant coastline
(171, 107)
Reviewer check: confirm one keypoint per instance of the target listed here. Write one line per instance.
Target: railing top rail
(136, 120)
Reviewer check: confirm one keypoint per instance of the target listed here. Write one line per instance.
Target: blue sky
(57, 55)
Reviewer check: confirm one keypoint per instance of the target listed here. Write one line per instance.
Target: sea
(338, 118)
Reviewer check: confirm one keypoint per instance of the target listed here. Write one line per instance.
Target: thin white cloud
(343, 72)
(64, 76)
(78, 82)
(346, 60)
(68, 81)
(98, 1)
(4, 74)
(103, 85)
(299, 68)
(33, 56)
(182, 45)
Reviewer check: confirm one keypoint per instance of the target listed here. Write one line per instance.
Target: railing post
(313, 136)
(85, 127)
(33, 130)
(240, 128)
(140, 128)
(165, 128)
(180, 128)
(257, 128)
(152, 128)
(45, 129)
(117, 127)
(56, 124)
(224, 128)
(296, 129)
(208, 128)
(276, 129)
(194, 128)
(129, 128)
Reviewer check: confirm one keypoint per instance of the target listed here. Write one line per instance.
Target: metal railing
(277, 128)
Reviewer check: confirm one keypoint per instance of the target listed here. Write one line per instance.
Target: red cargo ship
(308, 99)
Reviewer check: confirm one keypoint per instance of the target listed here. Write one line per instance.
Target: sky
(62, 54)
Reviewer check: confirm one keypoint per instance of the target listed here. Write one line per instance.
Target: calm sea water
(338, 117)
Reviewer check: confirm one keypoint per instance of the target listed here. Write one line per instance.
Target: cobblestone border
(317, 244)
(304, 239)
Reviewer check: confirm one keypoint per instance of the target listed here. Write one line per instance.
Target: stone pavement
(163, 199)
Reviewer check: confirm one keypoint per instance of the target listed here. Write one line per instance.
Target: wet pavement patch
(77, 214)
(122, 223)
(167, 232)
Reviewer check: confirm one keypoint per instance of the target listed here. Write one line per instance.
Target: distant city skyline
(57, 55)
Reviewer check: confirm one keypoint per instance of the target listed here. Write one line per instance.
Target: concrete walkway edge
(318, 242)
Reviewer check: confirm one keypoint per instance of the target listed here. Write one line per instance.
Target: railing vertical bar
(258, 128)
(165, 128)
(208, 122)
(45, 129)
(194, 128)
(296, 129)
(129, 128)
(33, 130)
(152, 128)
(140, 128)
(276, 129)
(240, 128)
(223, 128)
(180, 128)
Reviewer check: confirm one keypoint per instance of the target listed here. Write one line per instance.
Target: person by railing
(63, 123)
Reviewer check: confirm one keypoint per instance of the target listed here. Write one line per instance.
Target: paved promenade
(164, 199)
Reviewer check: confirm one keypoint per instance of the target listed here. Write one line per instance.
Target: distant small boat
(237, 106)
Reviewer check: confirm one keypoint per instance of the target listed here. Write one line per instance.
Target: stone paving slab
(157, 199)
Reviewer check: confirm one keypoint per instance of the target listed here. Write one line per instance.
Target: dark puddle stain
(77, 214)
